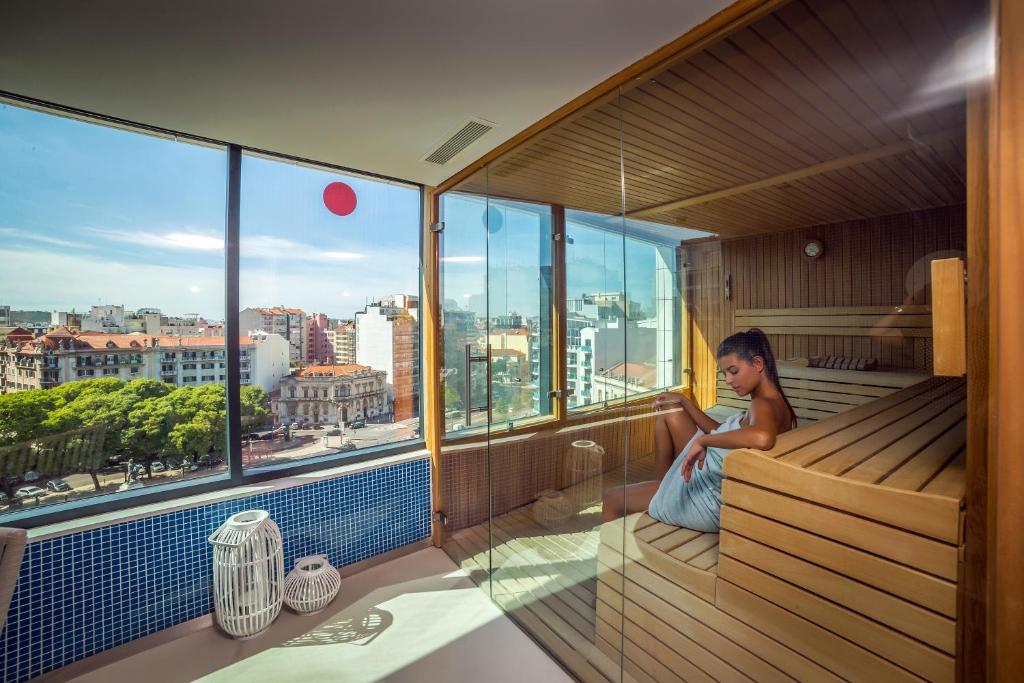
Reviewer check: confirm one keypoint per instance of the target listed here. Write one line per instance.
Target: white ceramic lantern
(248, 573)
(311, 585)
(584, 465)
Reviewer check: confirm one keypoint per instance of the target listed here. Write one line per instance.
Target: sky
(90, 214)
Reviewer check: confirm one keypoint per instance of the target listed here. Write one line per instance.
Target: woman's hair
(748, 345)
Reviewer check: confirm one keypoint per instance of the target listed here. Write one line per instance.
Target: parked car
(157, 466)
(30, 492)
(357, 424)
(333, 432)
(30, 476)
(58, 486)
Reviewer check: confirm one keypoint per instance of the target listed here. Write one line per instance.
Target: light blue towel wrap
(695, 504)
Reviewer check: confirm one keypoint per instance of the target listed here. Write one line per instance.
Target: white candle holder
(248, 573)
(311, 585)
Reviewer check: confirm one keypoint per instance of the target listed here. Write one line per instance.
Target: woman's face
(741, 375)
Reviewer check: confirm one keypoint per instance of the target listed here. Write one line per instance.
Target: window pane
(496, 284)
(603, 363)
(329, 299)
(111, 309)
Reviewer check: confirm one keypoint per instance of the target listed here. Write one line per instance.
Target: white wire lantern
(311, 585)
(584, 466)
(248, 573)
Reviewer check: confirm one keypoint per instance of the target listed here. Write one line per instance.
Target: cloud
(18, 234)
(251, 247)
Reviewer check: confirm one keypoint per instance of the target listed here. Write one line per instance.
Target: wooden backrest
(863, 321)
(817, 393)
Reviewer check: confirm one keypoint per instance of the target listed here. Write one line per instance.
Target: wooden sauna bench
(838, 558)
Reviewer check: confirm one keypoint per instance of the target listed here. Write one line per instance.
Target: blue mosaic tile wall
(90, 591)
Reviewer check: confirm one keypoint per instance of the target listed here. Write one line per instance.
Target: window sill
(103, 519)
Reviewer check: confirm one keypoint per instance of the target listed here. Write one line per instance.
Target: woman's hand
(698, 452)
(668, 398)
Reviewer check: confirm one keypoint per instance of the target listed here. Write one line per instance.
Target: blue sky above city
(90, 214)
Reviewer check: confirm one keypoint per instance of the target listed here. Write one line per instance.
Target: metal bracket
(437, 227)
(440, 518)
(556, 236)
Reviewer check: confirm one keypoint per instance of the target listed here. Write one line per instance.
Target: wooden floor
(544, 577)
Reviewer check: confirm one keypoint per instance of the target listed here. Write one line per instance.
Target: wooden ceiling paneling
(757, 132)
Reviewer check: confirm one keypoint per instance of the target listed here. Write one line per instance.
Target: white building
(61, 356)
(290, 323)
(106, 319)
(387, 339)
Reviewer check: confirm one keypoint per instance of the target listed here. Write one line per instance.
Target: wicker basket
(311, 585)
(552, 508)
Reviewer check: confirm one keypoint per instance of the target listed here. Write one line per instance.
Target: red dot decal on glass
(340, 199)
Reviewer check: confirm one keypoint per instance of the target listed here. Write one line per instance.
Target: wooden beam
(1006, 400)
(732, 18)
(807, 172)
(973, 608)
(432, 405)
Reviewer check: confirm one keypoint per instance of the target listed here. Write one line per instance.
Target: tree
(255, 407)
(23, 415)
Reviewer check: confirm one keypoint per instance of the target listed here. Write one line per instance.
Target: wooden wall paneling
(1006, 400)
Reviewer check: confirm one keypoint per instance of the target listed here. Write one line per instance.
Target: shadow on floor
(357, 629)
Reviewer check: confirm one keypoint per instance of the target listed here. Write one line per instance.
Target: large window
(112, 348)
(329, 311)
(116, 280)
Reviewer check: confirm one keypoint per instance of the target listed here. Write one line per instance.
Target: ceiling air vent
(465, 136)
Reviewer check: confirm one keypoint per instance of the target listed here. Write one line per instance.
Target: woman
(689, 446)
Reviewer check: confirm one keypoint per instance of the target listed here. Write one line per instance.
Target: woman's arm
(759, 434)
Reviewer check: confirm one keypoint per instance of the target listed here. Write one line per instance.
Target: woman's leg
(624, 500)
(673, 429)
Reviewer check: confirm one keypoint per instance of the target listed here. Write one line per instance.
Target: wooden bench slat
(707, 560)
(930, 461)
(916, 622)
(889, 321)
(799, 438)
(832, 331)
(931, 556)
(927, 662)
(675, 539)
(951, 481)
(815, 393)
(910, 584)
(875, 451)
(653, 532)
(904, 309)
(934, 516)
(837, 654)
(936, 422)
(695, 548)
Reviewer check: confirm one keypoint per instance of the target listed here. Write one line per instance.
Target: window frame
(235, 476)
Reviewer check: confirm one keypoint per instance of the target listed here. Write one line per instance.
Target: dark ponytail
(748, 345)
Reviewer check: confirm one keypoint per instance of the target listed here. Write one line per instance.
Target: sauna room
(807, 172)
(641, 342)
